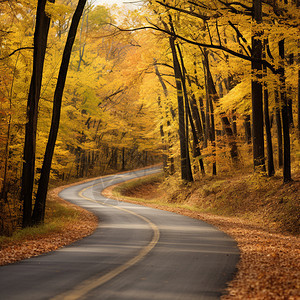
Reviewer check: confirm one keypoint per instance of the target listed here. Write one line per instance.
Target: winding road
(136, 252)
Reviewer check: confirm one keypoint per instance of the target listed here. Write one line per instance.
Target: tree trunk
(123, 159)
(39, 208)
(40, 44)
(82, 46)
(279, 129)
(234, 128)
(298, 90)
(161, 81)
(197, 151)
(209, 118)
(196, 137)
(298, 60)
(162, 133)
(299, 103)
(195, 111)
(257, 96)
(198, 132)
(184, 162)
(225, 121)
(115, 158)
(287, 177)
(202, 114)
(4, 190)
(196, 117)
(247, 125)
(207, 96)
(271, 170)
(213, 137)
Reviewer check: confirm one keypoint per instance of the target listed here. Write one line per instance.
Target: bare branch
(217, 27)
(230, 6)
(208, 30)
(15, 51)
(239, 35)
(165, 65)
(191, 13)
(202, 5)
(112, 95)
(210, 46)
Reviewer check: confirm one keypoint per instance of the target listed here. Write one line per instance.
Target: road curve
(136, 252)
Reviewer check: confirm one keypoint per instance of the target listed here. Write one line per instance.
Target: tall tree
(39, 208)
(189, 117)
(271, 169)
(298, 95)
(287, 176)
(209, 118)
(257, 94)
(298, 88)
(186, 172)
(278, 129)
(40, 44)
(212, 91)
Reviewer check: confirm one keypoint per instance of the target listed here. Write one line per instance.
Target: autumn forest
(203, 87)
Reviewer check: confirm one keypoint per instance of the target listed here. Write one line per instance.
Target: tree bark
(196, 137)
(234, 127)
(162, 132)
(213, 137)
(198, 132)
(184, 161)
(196, 117)
(298, 60)
(202, 114)
(123, 159)
(278, 129)
(247, 125)
(299, 103)
(225, 121)
(28, 172)
(287, 177)
(209, 118)
(257, 96)
(298, 114)
(271, 169)
(39, 208)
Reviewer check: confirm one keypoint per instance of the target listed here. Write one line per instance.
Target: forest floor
(261, 217)
(65, 223)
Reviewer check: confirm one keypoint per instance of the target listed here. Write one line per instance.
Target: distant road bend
(136, 252)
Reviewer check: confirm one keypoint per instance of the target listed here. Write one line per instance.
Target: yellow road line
(90, 284)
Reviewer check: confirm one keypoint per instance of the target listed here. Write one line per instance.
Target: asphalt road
(136, 253)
